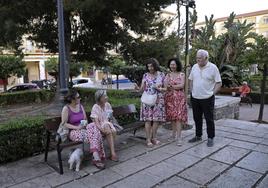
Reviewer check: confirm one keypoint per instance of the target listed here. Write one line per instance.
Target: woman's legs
(178, 130)
(148, 131)
(110, 138)
(174, 131)
(94, 137)
(154, 134)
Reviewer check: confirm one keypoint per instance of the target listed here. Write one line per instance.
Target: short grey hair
(99, 94)
(203, 53)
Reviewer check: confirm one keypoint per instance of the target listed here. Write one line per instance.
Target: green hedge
(26, 97)
(256, 97)
(21, 138)
(116, 97)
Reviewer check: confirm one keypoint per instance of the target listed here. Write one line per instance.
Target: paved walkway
(252, 113)
(239, 159)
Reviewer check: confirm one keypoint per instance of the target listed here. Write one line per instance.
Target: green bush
(26, 97)
(256, 97)
(21, 138)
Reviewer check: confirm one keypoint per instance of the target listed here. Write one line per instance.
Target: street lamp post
(188, 4)
(62, 56)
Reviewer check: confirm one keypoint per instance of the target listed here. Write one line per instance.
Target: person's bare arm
(141, 88)
(64, 119)
(191, 85)
(217, 87)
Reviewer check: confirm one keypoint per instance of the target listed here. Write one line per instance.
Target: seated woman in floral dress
(100, 114)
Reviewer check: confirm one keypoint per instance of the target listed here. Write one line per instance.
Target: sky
(223, 8)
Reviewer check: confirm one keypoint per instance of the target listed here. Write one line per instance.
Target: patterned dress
(156, 112)
(90, 135)
(102, 115)
(176, 106)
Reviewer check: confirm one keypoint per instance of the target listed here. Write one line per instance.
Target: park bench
(52, 124)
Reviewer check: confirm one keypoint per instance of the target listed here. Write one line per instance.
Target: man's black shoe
(210, 142)
(195, 139)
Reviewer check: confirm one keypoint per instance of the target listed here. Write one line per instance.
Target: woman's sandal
(114, 158)
(156, 142)
(98, 164)
(150, 144)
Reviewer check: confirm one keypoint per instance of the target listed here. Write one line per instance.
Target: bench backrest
(52, 124)
(124, 110)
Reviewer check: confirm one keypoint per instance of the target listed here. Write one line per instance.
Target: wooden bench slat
(123, 110)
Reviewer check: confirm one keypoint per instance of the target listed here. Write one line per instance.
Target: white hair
(203, 53)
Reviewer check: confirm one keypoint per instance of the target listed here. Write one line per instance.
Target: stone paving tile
(263, 183)
(245, 138)
(154, 156)
(19, 173)
(129, 167)
(182, 160)
(202, 150)
(138, 180)
(33, 183)
(241, 131)
(5, 178)
(242, 144)
(255, 161)
(237, 124)
(100, 179)
(265, 141)
(204, 171)
(177, 182)
(132, 152)
(261, 148)
(74, 184)
(55, 179)
(173, 149)
(235, 178)
(229, 154)
(163, 170)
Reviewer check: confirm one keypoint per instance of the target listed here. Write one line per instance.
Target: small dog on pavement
(76, 157)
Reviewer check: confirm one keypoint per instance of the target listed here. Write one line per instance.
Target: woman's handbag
(148, 99)
(62, 133)
(116, 124)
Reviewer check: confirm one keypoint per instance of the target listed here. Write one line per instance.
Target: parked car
(43, 84)
(82, 82)
(23, 87)
(122, 81)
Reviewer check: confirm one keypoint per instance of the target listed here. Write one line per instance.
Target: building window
(265, 20)
(265, 34)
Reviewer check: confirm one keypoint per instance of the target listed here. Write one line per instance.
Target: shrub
(21, 138)
(256, 97)
(26, 97)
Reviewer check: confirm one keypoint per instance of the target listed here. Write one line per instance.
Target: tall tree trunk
(263, 86)
(117, 79)
(5, 86)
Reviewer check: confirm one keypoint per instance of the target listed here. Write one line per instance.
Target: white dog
(76, 156)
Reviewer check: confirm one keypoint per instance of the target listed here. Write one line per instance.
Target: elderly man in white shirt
(204, 81)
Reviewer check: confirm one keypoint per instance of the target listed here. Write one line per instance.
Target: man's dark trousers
(206, 107)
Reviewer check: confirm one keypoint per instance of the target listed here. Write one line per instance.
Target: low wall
(226, 107)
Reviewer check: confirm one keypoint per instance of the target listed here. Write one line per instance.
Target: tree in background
(162, 49)
(91, 27)
(52, 67)
(228, 49)
(258, 54)
(11, 66)
(117, 65)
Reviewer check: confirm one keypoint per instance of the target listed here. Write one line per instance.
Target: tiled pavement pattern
(239, 159)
